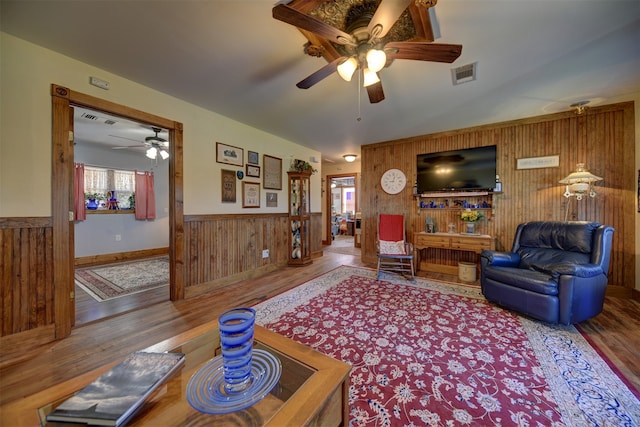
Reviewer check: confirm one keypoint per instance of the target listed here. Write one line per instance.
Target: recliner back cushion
(536, 258)
(573, 237)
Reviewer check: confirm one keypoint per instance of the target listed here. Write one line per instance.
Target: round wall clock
(393, 181)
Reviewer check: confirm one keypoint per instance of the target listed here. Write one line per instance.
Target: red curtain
(79, 211)
(145, 196)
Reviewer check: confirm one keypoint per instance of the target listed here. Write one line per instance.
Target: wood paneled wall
(26, 254)
(603, 138)
(222, 249)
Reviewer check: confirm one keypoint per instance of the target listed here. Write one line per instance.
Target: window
(102, 182)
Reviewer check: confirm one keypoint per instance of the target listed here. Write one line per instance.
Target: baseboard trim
(119, 257)
(619, 292)
(207, 287)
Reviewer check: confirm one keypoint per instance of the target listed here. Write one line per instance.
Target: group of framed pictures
(271, 175)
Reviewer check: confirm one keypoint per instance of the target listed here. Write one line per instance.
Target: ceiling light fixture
(370, 77)
(347, 68)
(579, 184)
(349, 158)
(376, 59)
(152, 153)
(157, 146)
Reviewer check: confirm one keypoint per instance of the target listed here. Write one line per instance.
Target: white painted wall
(26, 73)
(97, 234)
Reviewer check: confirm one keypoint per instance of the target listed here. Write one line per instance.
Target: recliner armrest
(570, 269)
(501, 259)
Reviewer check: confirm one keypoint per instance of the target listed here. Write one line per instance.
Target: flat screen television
(471, 169)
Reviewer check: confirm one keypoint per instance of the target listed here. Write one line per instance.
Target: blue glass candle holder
(236, 328)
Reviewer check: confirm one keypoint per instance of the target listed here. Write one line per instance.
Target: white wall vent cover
(464, 74)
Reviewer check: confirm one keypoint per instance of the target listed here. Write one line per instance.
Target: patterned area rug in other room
(437, 354)
(117, 280)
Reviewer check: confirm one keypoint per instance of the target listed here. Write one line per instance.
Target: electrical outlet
(118, 237)
(265, 253)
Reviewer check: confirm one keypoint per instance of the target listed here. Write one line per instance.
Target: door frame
(328, 199)
(62, 173)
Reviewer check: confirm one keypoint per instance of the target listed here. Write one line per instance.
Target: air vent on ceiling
(89, 116)
(95, 118)
(464, 74)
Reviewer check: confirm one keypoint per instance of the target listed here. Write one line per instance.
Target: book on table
(115, 396)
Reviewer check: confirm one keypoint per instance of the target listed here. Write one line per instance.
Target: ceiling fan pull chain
(359, 95)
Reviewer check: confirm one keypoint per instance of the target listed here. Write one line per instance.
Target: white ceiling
(230, 56)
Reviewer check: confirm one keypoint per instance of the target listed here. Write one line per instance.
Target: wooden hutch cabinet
(299, 237)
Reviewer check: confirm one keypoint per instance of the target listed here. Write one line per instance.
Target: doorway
(62, 190)
(116, 255)
(343, 214)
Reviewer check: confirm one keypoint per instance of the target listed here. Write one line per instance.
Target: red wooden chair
(395, 254)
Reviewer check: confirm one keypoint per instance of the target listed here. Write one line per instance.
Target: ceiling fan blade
(435, 52)
(287, 14)
(321, 74)
(386, 15)
(126, 147)
(376, 94)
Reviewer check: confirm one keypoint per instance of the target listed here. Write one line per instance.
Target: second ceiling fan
(365, 43)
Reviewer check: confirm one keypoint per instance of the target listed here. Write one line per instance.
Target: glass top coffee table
(313, 388)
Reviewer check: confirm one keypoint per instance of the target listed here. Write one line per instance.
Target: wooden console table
(449, 241)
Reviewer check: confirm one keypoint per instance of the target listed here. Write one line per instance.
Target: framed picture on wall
(228, 180)
(272, 200)
(253, 171)
(250, 194)
(229, 154)
(252, 157)
(272, 174)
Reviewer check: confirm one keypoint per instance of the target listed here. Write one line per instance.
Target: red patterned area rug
(437, 354)
(122, 279)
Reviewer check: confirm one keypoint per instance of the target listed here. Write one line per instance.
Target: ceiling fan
(365, 41)
(156, 146)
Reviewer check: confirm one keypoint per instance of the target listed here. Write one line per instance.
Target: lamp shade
(350, 158)
(164, 154)
(370, 77)
(579, 183)
(347, 68)
(579, 176)
(152, 153)
(376, 60)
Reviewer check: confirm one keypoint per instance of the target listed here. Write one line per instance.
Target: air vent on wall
(464, 74)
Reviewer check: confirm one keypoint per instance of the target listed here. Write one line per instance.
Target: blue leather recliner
(555, 272)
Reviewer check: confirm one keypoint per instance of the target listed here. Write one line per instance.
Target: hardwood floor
(616, 331)
(89, 310)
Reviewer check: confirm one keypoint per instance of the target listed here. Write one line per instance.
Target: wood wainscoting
(26, 273)
(220, 250)
(224, 249)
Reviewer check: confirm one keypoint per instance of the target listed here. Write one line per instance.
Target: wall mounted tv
(471, 169)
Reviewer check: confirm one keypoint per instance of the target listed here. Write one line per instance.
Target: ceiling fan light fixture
(370, 77)
(376, 59)
(347, 68)
(164, 154)
(349, 158)
(152, 153)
